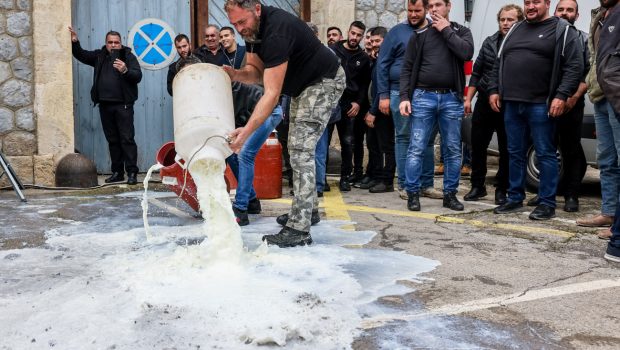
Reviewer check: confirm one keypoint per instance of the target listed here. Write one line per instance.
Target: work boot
(288, 238)
(439, 169)
(604, 233)
(431, 192)
(413, 201)
(475, 193)
(132, 178)
(241, 216)
(381, 187)
(314, 219)
(356, 177)
(116, 177)
(402, 193)
(466, 170)
(542, 212)
(500, 196)
(254, 206)
(366, 183)
(508, 207)
(451, 202)
(596, 221)
(344, 185)
(571, 204)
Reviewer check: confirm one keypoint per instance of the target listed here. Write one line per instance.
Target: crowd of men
(391, 92)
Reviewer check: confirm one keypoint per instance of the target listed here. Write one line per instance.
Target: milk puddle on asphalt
(118, 290)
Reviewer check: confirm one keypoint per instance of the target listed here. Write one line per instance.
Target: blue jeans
(242, 165)
(607, 155)
(523, 120)
(402, 126)
(429, 109)
(320, 160)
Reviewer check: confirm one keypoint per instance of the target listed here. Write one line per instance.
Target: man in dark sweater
(115, 89)
(184, 50)
(485, 121)
(211, 51)
(351, 127)
(432, 82)
(540, 65)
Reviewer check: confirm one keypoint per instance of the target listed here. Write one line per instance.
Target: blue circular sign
(152, 41)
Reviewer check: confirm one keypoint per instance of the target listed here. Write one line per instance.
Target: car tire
(532, 173)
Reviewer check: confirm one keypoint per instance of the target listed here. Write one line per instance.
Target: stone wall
(385, 13)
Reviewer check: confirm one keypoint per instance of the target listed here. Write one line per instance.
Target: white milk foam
(117, 290)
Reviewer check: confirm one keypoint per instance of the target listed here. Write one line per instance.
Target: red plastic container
(268, 169)
(173, 175)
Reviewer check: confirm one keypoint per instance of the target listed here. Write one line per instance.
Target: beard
(353, 44)
(608, 3)
(251, 34)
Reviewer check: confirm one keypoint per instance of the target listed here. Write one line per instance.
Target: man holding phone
(115, 89)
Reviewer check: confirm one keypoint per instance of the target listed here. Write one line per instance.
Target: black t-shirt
(528, 61)
(109, 87)
(283, 38)
(436, 69)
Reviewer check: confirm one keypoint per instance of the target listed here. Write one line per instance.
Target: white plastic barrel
(202, 108)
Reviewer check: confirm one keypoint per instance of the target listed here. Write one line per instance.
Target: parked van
(484, 23)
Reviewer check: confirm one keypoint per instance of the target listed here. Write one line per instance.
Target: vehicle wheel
(532, 172)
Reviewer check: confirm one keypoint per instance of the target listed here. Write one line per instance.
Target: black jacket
(568, 63)
(95, 59)
(356, 65)
(459, 41)
(485, 62)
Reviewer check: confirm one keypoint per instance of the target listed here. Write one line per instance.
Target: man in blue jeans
(389, 63)
(432, 83)
(539, 66)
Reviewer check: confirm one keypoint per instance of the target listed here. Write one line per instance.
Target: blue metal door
(153, 110)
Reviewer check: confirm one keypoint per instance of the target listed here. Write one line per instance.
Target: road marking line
(336, 208)
(169, 208)
(504, 300)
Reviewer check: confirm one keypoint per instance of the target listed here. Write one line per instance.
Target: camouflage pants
(309, 115)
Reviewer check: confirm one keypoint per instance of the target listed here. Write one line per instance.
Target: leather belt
(438, 91)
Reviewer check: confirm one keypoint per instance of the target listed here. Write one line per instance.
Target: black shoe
(508, 207)
(363, 183)
(381, 188)
(319, 194)
(254, 206)
(326, 187)
(116, 177)
(571, 204)
(413, 201)
(314, 219)
(450, 201)
(534, 202)
(241, 216)
(288, 238)
(542, 212)
(500, 196)
(132, 178)
(356, 177)
(475, 194)
(344, 186)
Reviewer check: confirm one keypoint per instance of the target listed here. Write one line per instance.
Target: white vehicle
(484, 23)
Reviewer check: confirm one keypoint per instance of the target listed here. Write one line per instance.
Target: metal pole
(17, 186)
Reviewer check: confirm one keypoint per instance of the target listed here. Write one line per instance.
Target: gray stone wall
(17, 120)
(385, 13)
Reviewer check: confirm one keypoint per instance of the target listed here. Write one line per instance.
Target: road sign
(152, 41)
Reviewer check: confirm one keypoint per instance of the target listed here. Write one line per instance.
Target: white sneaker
(431, 192)
(402, 193)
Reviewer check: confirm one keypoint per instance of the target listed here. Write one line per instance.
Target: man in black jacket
(115, 89)
(184, 50)
(432, 83)
(353, 102)
(539, 66)
(485, 121)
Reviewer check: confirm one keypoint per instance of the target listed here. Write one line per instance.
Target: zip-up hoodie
(390, 58)
(356, 65)
(129, 81)
(461, 45)
(568, 65)
(485, 62)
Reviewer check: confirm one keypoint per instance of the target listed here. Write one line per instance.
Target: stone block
(8, 47)
(2, 23)
(365, 5)
(25, 46)
(24, 119)
(19, 23)
(24, 5)
(6, 120)
(22, 68)
(19, 143)
(5, 72)
(44, 170)
(388, 20)
(396, 6)
(16, 93)
(7, 4)
(372, 19)
(23, 167)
